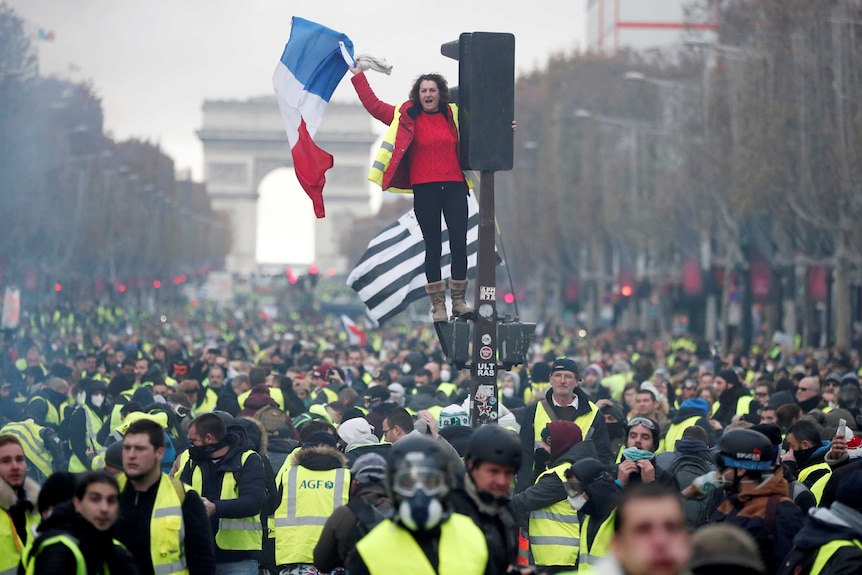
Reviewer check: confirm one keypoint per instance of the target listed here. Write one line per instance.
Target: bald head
(807, 389)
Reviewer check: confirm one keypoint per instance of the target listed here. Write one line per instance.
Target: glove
(708, 482)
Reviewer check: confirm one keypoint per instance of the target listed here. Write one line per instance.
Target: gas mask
(419, 491)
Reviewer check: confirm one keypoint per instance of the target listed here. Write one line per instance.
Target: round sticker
(485, 352)
(486, 339)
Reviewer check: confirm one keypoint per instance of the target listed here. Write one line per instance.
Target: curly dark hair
(442, 86)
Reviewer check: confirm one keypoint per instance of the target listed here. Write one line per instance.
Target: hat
(561, 435)
(854, 444)
(377, 393)
(396, 389)
(565, 364)
(114, 455)
(368, 468)
(541, 372)
(353, 428)
(729, 376)
(322, 370)
(773, 433)
(798, 370)
(689, 383)
(696, 403)
(850, 378)
(596, 369)
(586, 470)
(615, 409)
(320, 438)
(833, 376)
(58, 488)
(648, 386)
(453, 415)
(724, 545)
(848, 492)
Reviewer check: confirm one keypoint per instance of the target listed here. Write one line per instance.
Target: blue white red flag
(311, 66)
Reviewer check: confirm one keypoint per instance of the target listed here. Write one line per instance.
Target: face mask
(848, 396)
(508, 392)
(577, 502)
(81, 398)
(804, 455)
(445, 374)
(420, 512)
(405, 368)
(770, 368)
(636, 454)
(204, 452)
(97, 400)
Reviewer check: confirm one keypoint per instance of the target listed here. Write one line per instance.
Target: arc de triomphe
(245, 140)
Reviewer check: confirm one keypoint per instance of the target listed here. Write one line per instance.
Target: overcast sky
(154, 62)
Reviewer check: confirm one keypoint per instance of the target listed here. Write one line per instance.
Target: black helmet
(744, 449)
(418, 457)
(494, 444)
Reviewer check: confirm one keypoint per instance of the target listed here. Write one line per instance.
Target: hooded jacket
(98, 548)
(691, 459)
(749, 512)
(251, 487)
(839, 522)
(549, 489)
(728, 402)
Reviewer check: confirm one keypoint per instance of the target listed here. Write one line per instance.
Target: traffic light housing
(486, 98)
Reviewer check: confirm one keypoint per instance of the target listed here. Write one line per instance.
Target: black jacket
(251, 486)
(98, 548)
(496, 522)
(728, 401)
(133, 530)
(37, 407)
(598, 433)
(822, 526)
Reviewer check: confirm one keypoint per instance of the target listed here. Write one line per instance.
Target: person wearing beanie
(563, 401)
(592, 492)
(733, 399)
(592, 383)
(312, 483)
(510, 387)
(849, 396)
(553, 522)
(58, 488)
(454, 427)
(719, 549)
(615, 421)
(367, 506)
(830, 542)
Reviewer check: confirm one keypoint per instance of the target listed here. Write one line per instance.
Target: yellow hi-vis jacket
(674, 434)
(11, 545)
(825, 553)
(818, 486)
(167, 528)
(28, 433)
(545, 415)
(555, 530)
(234, 533)
(309, 498)
(389, 548)
(590, 555)
(94, 424)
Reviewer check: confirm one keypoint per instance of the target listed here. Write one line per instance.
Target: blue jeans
(248, 567)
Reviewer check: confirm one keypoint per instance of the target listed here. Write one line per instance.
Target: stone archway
(245, 140)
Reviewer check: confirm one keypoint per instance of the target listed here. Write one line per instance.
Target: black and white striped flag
(391, 273)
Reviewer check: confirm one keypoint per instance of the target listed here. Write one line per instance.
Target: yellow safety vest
(589, 556)
(234, 533)
(209, 402)
(555, 530)
(674, 434)
(73, 545)
(743, 405)
(536, 389)
(543, 418)
(27, 433)
(309, 498)
(11, 546)
(448, 388)
(389, 548)
(274, 393)
(825, 553)
(93, 425)
(167, 528)
(818, 486)
(54, 417)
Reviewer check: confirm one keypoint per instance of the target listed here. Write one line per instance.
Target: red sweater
(433, 156)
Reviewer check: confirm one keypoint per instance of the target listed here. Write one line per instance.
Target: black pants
(450, 199)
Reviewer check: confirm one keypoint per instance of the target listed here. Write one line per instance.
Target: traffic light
(486, 98)
(626, 290)
(313, 275)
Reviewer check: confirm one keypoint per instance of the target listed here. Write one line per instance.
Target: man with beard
(230, 477)
(164, 526)
(77, 536)
(18, 496)
(733, 399)
(492, 459)
(805, 457)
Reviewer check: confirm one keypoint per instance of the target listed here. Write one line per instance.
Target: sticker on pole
(485, 353)
(487, 293)
(486, 370)
(486, 403)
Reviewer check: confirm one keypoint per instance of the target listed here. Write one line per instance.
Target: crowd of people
(230, 443)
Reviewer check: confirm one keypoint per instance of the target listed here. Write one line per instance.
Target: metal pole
(483, 408)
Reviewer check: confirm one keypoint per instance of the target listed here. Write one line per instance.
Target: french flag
(311, 66)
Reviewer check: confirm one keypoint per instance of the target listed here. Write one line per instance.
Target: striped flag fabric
(314, 60)
(391, 273)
